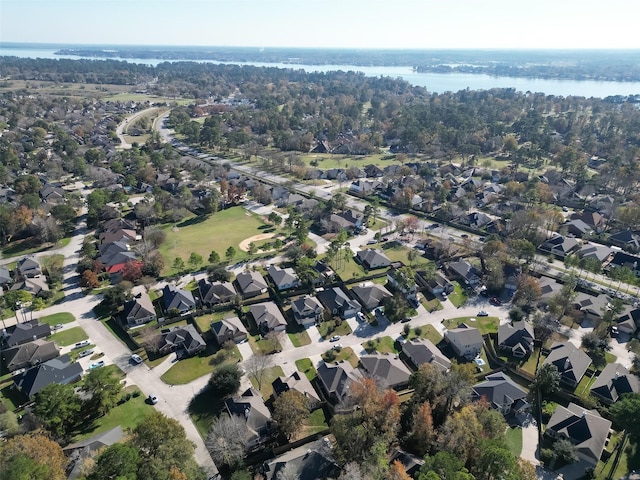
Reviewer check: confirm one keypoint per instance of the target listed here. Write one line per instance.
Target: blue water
(434, 82)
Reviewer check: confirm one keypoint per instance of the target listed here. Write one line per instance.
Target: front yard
(380, 345)
(269, 375)
(427, 331)
(69, 337)
(57, 318)
(484, 324)
(304, 365)
(458, 297)
(346, 354)
(188, 369)
(329, 329)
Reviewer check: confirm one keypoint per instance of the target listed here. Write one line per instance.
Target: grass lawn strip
(345, 353)
(299, 339)
(427, 331)
(188, 369)
(329, 329)
(381, 345)
(270, 374)
(69, 337)
(484, 324)
(458, 297)
(57, 318)
(513, 439)
(304, 365)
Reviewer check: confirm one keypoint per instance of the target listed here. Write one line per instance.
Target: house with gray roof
(139, 310)
(29, 354)
(296, 381)
(516, 338)
(5, 275)
(88, 448)
(595, 251)
(214, 293)
(466, 341)
(174, 298)
(560, 246)
(372, 259)
(268, 317)
(338, 303)
(422, 350)
(28, 267)
(629, 320)
(25, 332)
(283, 278)
(33, 285)
(614, 381)
(335, 379)
(576, 227)
(592, 307)
(371, 295)
(387, 369)
(586, 429)
(626, 239)
(251, 284)
(307, 310)
(227, 329)
(183, 340)
(313, 461)
(464, 272)
(571, 362)
(502, 393)
(60, 370)
(250, 407)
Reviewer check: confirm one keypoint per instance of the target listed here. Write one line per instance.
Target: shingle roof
(140, 306)
(251, 282)
(59, 370)
(499, 390)
(373, 257)
(282, 276)
(516, 334)
(295, 381)
(336, 378)
(370, 296)
(173, 297)
(571, 362)
(389, 369)
(250, 407)
(613, 381)
(422, 350)
(267, 314)
(26, 332)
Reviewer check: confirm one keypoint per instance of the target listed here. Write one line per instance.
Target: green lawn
(218, 232)
(513, 439)
(431, 305)
(299, 339)
(347, 354)
(329, 329)
(205, 321)
(188, 369)
(128, 415)
(315, 423)
(380, 345)
(270, 374)
(327, 160)
(427, 331)
(585, 384)
(347, 268)
(398, 253)
(530, 365)
(24, 247)
(304, 365)
(56, 318)
(69, 337)
(458, 297)
(263, 346)
(484, 324)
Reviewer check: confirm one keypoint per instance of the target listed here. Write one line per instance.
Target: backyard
(202, 235)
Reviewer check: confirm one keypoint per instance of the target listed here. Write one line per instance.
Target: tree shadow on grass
(193, 221)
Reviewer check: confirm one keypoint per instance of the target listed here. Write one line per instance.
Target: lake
(434, 82)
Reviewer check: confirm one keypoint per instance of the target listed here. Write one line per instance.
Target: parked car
(385, 239)
(335, 338)
(58, 326)
(482, 313)
(360, 316)
(81, 344)
(444, 295)
(495, 301)
(614, 331)
(153, 399)
(98, 364)
(137, 359)
(86, 353)
(373, 241)
(337, 346)
(405, 320)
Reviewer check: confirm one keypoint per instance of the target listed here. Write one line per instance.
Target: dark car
(495, 301)
(405, 320)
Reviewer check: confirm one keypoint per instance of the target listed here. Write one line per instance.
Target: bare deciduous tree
(256, 367)
(227, 439)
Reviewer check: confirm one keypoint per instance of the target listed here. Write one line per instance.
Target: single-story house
(307, 310)
(268, 317)
(421, 350)
(60, 370)
(502, 393)
(586, 429)
(313, 461)
(174, 298)
(251, 284)
(227, 329)
(338, 303)
(283, 278)
(466, 341)
(560, 246)
(33, 285)
(78, 452)
(296, 381)
(183, 340)
(29, 354)
(388, 369)
(516, 338)
(571, 362)
(372, 259)
(28, 267)
(215, 292)
(371, 295)
(614, 381)
(139, 310)
(25, 332)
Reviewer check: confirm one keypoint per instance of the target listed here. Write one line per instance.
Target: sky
(389, 24)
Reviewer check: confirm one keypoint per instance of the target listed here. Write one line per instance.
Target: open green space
(56, 318)
(329, 329)
(458, 297)
(188, 369)
(269, 375)
(304, 365)
(27, 246)
(344, 354)
(347, 268)
(204, 321)
(128, 414)
(426, 331)
(203, 234)
(513, 439)
(380, 345)
(327, 161)
(69, 337)
(397, 253)
(143, 97)
(484, 324)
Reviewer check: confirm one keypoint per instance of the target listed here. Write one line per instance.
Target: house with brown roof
(214, 293)
(29, 354)
(299, 382)
(335, 379)
(139, 310)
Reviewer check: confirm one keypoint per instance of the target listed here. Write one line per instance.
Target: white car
(153, 399)
(360, 316)
(335, 338)
(86, 353)
(137, 359)
(83, 343)
(97, 364)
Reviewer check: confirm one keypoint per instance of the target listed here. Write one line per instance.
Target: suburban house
(571, 362)
(29, 354)
(560, 246)
(268, 317)
(296, 381)
(60, 370)
(215, 292)
(34, 285)
(548, 289)
(626, 239)
(78, 452)
(183, 340)
(466, 341)
(348, 220)
(227, 329)
(421, 350)
(5, 275)
(257, 416)
(338, 303)
(174, 298)
(388, 369)
(613, 381)
(623, 259)
(592, 307)
(307, 310)
(25, 332)
(335, 379)
(593, 219)
(516, 338)
(629, 320)
(396, 278)
(119, 235)
(464, 272)
(370, 295)
(502, 393)
(410, 462)
(323, 273)
(251, 284)
(576, 228)
(595, 251)
(283, 278)
(313, 461)
(586, 429)
(139, 310)
(28, 267)
(437, 284)
(372, 259)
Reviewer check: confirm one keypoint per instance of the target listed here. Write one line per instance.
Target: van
(81, 344)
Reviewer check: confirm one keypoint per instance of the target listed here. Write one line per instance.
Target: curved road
(130, 120)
